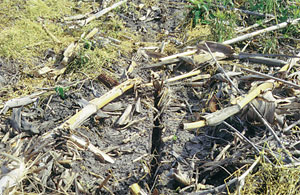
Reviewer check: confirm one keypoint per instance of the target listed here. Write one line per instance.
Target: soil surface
(64, 167)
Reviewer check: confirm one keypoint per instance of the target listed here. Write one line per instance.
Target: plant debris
(149, 97)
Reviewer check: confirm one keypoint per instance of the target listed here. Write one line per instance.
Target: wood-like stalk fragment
(107, 80)
(194, 125)
(68, 53)
(135, 189)
(97, 103)
(221, 115)
(255, 92)
(92, 33)
(104, 182)
(271, 28)
(261, 60)
(200, 77)
(183, 76)
(138, 105)
(160, 64)
(190, 74)
(187, 53)
(101, 13)
(271, 77)
(51, 35)
(255, 25)
(86, 145)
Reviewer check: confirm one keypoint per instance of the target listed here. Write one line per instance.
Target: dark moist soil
(130, 147)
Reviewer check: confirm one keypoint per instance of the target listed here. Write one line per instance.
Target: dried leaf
(154, 54)
(212, 104)
(107, 80)
(266, 108)
(216, 47)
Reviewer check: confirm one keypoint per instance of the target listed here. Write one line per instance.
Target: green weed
(222, 20)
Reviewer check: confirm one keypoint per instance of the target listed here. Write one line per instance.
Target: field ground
(91, 104)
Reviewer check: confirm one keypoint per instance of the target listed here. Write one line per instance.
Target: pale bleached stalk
(101, 13)
(183, 76)
(13, 177)
(96, 104)
(187, 53)
(271, 28)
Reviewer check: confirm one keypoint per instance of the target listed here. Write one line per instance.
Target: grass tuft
(273, 180)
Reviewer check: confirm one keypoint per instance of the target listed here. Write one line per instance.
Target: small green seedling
(175, 137)
(61, 92)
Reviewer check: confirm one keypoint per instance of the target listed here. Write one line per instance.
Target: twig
(246, 140)
(93, 106)
(246, 11)
(160, 64)
(76, 17)
(255, 25)
(220, 188)
(183, 76)
(222, 152)
(266, 123)
(241, 179)
(220, 67)
(271, 28)
(104, 182)
(187, 53)
(215, 190)
(133, 122)
(190, 74)
(50, 34)
(291, 126)
(245, 55)
(101, 13)
(255, 58)
(271, 77)
(84, 143)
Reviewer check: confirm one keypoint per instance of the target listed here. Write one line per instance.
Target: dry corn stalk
(183, 76)
(221, 115)
(101, 13)
(85, 144)
(97, 103)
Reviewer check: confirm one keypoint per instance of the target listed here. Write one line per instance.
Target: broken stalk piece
(97, 103)
(93, 106)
